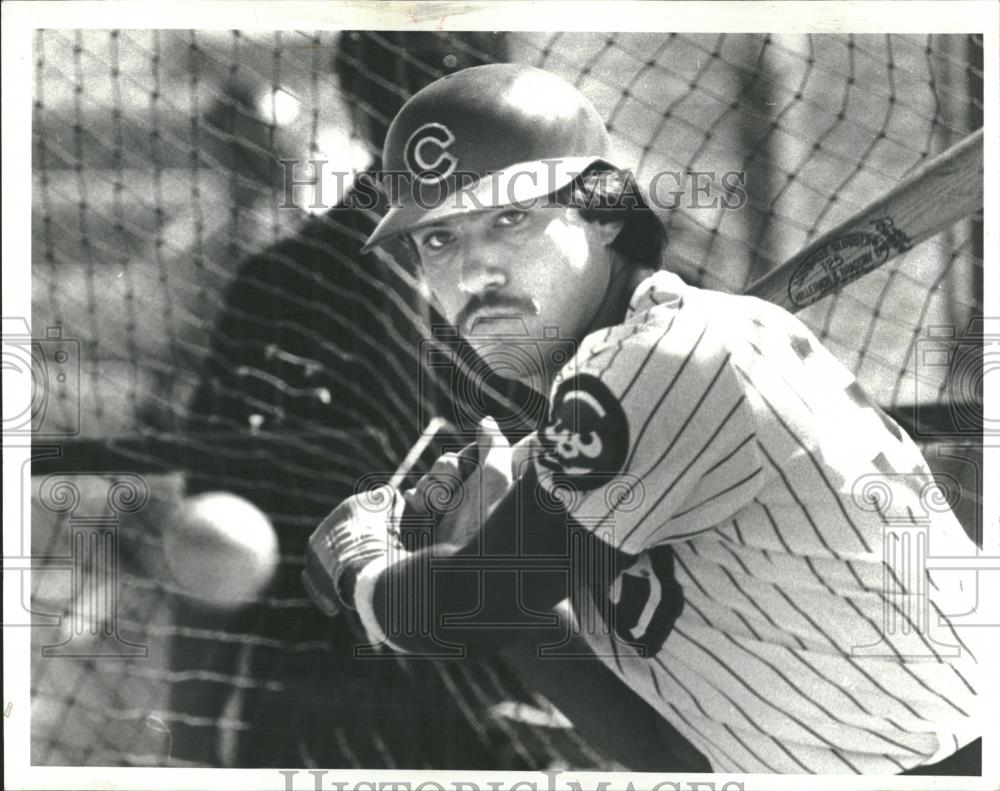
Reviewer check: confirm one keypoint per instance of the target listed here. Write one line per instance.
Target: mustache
(492, 301)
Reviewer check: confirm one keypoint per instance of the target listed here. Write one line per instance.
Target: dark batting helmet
(488, 136)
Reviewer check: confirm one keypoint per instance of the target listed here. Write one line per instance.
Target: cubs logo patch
(586, 437)
(426, 153)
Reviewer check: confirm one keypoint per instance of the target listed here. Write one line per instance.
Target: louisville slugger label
(845, 258)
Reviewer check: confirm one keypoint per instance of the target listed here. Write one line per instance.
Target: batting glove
(362, 529)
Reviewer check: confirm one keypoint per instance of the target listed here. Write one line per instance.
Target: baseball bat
(941, 192)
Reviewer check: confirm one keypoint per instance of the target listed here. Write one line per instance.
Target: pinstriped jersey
(734, 464)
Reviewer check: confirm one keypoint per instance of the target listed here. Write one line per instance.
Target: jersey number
(569, 445)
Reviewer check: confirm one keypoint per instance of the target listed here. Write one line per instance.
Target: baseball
(220, 549)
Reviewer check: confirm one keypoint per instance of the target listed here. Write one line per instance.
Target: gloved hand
(361, 529)
(461, 489)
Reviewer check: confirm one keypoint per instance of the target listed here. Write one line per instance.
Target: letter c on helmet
(426, 153)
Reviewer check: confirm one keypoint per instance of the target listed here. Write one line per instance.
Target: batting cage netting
(206, 322)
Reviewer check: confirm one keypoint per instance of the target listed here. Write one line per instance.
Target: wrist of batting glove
(362, 529)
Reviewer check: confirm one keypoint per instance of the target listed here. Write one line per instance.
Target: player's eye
(437, 240)
(511, 217)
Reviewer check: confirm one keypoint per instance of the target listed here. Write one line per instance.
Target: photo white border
(19, 18)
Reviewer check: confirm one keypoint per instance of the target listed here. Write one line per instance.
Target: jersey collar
(662, 288)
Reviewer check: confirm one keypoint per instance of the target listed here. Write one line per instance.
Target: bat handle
(435, 425)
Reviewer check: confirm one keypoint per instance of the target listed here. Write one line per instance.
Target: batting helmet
(488, 136)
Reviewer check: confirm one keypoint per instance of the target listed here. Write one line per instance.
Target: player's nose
(484, 268)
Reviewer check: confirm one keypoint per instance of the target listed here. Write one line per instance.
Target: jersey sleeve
(649, 437)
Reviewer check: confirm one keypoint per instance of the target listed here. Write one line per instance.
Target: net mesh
(230, 336)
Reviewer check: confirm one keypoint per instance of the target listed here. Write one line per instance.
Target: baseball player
(711, 490)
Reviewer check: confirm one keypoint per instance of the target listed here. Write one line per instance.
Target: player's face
(502, 272)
